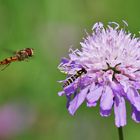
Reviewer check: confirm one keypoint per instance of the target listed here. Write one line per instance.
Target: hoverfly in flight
(72, 78)
(20, 55)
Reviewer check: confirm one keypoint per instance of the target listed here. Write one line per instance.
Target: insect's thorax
(24, 54)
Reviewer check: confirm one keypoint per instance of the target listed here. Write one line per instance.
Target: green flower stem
(120, 132)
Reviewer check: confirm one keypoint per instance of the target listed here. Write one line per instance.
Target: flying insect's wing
(9, 51)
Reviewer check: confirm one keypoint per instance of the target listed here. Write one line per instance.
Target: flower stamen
(114, 69)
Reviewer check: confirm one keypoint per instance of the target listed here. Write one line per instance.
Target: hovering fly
(20, 55)
(72, 78)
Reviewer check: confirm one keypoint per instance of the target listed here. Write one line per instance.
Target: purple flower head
(105, 70)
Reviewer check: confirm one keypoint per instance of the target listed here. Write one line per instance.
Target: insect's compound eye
(29, 51)
(84, 70)
(80, 72)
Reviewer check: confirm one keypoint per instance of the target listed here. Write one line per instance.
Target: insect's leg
(27, 59)
(5, 67)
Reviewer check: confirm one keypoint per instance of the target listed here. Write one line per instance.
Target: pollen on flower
(106, 70)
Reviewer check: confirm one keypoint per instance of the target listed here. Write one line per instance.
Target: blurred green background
(30, 108)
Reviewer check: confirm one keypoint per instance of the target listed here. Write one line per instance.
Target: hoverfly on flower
(20, 55)
(72, 78)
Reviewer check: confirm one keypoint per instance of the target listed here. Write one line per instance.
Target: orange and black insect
(72, 78)
(20, 55)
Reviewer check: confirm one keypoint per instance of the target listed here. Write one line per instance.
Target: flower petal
(120, 111)
(135, 114)
(123, 80)
(61, 93)
(68, 100)
(77, 101)
(117, 88)
(64, 60)
(69, 89)
(137, 85)
(105, 113)
(94, 94)
(134, 98)
(91, 104)
(106, 101)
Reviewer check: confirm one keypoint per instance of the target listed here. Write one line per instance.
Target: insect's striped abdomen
(8, 60)
(74, 77)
